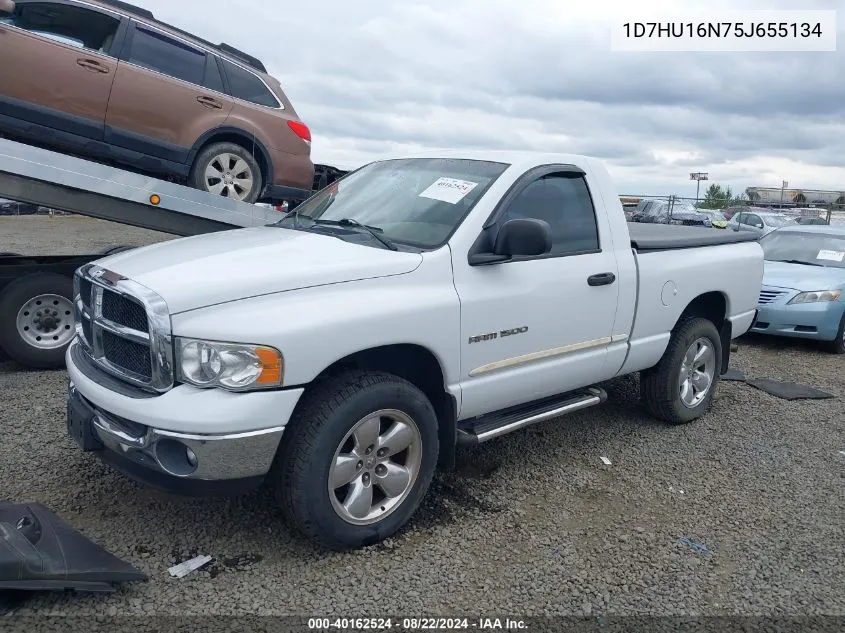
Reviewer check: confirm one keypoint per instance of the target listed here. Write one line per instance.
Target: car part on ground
(41, 552)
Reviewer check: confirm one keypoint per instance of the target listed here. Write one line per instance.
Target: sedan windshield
(818, 249)
(417, 202)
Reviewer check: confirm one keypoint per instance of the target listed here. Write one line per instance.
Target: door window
(66, 24)
(563, 200)
(167, 56)
(244, 85)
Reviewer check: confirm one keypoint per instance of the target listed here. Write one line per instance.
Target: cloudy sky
(373, 77)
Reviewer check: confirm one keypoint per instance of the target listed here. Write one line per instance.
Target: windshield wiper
(798, 261)
(372, 230)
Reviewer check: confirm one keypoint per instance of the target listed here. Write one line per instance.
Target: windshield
(814, 248)
(778, 220)
(414, 201)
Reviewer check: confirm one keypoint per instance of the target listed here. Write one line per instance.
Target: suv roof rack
(222, 47)
(129, 8)
(249, 59)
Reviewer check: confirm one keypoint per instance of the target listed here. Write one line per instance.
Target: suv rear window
(244, 85)
(167, 56)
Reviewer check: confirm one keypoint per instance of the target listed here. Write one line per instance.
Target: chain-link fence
(818, 213)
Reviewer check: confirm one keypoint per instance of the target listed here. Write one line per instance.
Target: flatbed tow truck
(36, 291)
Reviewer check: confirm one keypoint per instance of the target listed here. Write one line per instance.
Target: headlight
(816, 296)
(233, 366)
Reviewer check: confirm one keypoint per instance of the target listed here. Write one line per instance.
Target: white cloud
(374, 78)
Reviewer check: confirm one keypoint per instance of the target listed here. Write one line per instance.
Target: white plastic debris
(673, 489)
(183, 569)
(606, 461)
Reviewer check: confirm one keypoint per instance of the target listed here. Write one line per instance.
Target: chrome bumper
(185, 456)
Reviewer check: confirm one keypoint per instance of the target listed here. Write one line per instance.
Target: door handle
(208, 102)
(90, 64)
(601, 279)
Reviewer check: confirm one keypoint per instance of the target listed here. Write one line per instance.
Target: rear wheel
(36, 320)
(680, 388)
(356, 459)
(228, 170)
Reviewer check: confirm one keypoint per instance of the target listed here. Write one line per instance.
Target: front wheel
(680, 388)
(229, 170)
(356, 459)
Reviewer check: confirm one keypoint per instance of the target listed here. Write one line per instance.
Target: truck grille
(767, 296)
(124, 328)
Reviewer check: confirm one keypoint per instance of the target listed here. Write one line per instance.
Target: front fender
(316, 327)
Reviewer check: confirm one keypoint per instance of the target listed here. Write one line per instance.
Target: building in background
(772, 196)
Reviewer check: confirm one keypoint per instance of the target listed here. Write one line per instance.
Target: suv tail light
(301, 130)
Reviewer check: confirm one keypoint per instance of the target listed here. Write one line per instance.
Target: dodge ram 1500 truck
(343, 354)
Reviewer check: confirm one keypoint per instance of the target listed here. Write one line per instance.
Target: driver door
(534, 327)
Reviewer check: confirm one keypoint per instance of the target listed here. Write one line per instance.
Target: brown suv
(106, 80)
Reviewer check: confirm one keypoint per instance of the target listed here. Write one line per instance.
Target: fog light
(175, 458)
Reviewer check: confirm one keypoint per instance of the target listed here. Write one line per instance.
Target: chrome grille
(767, 296)
(124, 328)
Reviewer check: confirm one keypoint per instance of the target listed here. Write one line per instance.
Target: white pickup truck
(418, 304)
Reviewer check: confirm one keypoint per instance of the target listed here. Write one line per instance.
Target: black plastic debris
(734, 374)
(789, 390)
(41, 552)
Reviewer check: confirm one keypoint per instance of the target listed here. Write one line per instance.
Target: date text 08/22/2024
(415, 624)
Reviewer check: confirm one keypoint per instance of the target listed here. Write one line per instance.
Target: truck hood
(802, 277)
(200, 271)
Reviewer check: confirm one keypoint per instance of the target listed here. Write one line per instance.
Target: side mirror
(7, 7)
(523, 237)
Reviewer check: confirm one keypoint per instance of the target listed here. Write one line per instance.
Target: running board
(491, 425)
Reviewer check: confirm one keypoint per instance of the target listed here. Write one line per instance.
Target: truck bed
(667, 237)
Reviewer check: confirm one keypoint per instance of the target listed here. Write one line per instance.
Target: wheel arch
(419, 366)
(713, 306)
(231, 134)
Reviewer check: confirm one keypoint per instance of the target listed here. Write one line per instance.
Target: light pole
(698, 176)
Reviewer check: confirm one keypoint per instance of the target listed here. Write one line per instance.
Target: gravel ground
(69, 235)
(532, 523)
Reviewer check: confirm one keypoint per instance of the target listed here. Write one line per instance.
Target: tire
(19, 327)
(661, 386)
(837, 345)
(219, 157)
(315, 436)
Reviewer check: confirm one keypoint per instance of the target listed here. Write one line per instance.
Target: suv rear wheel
(229, 170)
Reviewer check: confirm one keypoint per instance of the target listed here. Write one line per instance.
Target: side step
(491, 425)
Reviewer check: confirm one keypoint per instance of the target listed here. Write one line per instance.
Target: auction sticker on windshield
(834, 256)
(449, 190)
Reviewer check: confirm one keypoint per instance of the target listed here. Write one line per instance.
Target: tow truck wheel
(356, 459)
(36, 320)
(229, 170)
(680, 388)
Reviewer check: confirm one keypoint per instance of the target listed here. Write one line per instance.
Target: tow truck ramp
(57, 181)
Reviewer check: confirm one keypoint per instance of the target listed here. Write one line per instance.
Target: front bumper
(819, 321)
(175, 441)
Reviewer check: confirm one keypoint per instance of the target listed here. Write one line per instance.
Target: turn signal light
(155, 199)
